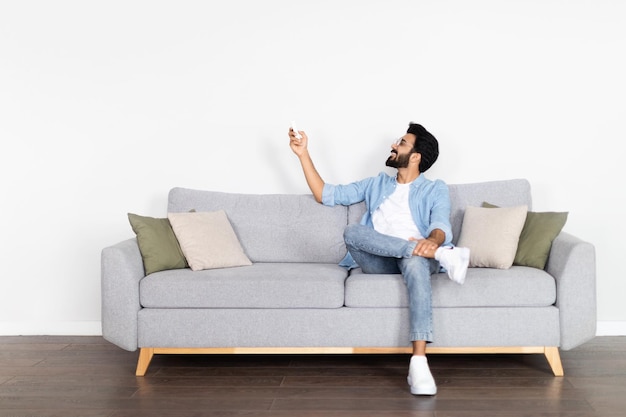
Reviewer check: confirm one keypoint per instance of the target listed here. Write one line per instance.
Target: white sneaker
(420, 379)
(455, 261)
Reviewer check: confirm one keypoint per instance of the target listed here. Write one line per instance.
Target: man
(405, 229)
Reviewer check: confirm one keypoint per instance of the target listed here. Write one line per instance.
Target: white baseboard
(68, 328)
(94, 328)
(611, 328)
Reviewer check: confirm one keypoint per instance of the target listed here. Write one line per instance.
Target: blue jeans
(377, 253)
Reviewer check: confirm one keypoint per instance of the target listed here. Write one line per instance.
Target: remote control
(295, 130)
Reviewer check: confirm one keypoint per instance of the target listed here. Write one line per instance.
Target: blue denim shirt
(429, 203)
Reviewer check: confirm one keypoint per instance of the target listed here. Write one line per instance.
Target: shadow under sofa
(294, 298)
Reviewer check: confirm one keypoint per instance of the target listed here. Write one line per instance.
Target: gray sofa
(294, 298)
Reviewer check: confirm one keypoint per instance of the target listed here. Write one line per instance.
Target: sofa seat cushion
(261, 285)
(519, 286)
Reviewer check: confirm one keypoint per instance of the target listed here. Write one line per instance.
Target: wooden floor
(89, 377)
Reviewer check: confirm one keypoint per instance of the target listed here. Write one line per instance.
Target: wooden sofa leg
(554, 359)
(145, 357)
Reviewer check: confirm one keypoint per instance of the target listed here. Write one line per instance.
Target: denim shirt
(429, 203)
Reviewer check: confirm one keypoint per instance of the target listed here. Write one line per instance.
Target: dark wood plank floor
(47, 376)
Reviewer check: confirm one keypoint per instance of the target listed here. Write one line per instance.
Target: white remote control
(295, 130)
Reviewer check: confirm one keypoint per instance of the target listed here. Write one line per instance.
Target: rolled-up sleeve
(345, 194)
(328, 195)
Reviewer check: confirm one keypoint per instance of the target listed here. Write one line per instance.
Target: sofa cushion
(492, 235)
(536, 238)
(261, 285)
(519, 286)
(274, 227)
(157, 243)
(207, 239)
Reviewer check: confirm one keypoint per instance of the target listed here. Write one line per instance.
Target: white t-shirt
(393, 217)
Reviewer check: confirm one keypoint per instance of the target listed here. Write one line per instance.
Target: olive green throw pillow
(157, 243)
(535, 241)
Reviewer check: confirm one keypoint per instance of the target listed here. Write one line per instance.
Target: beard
(400, 161)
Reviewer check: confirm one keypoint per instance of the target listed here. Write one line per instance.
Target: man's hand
(298, 146)
(425, 247)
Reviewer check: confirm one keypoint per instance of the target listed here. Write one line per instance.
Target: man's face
(401, 151)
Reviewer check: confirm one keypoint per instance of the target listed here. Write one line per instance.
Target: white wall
(104, 106)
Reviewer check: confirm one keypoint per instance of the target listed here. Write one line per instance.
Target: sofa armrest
(121, 271)
(572, 262)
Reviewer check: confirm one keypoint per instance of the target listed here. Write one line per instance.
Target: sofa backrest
(274, 227)
(295, 228)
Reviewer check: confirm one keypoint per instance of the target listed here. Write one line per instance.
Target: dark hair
(425, 144)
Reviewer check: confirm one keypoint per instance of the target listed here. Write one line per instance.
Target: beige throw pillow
(492, 235)
(208, 240)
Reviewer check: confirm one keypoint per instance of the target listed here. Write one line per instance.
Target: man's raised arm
(313, 178)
